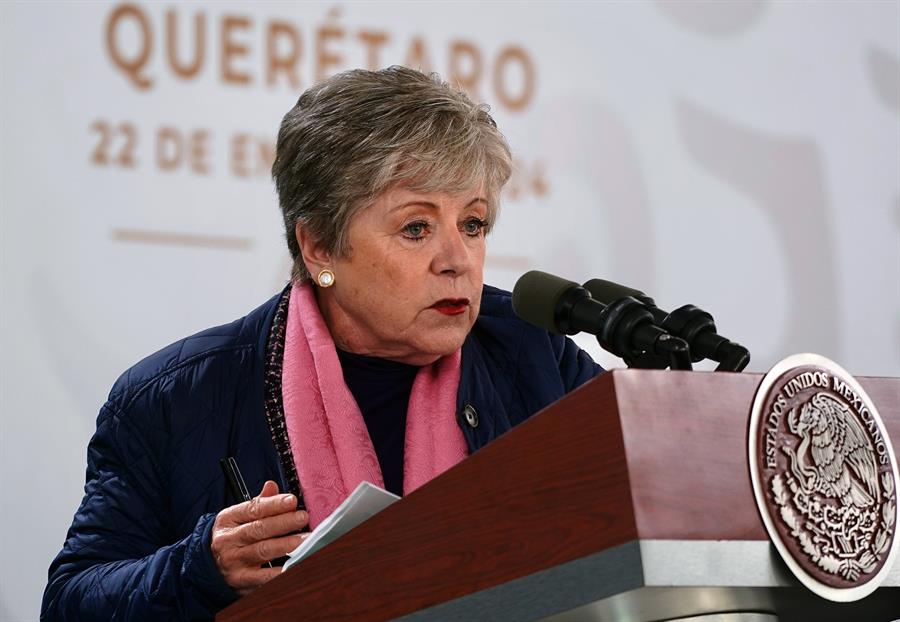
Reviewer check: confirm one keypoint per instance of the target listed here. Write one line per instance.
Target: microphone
(625, 328)
(690, 323)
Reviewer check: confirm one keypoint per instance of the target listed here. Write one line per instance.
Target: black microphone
(690, 323)
(625, 328)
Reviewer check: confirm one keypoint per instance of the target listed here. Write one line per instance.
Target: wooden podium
(629, 499)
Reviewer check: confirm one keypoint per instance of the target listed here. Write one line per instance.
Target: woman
(385, 360)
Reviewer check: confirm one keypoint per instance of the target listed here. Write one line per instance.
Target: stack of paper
(362, 504)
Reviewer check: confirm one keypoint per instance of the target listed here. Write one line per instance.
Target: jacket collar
(489, 370)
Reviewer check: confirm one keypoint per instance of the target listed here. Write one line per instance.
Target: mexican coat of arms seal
(824, 476)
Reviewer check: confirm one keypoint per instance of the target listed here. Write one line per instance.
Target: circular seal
(825, 477)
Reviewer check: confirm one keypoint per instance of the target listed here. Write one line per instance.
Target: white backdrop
(741, 156)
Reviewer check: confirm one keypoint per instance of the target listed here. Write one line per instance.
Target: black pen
(236, 483)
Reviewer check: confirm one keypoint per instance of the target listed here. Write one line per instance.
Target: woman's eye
(415, 230)
(474, 226)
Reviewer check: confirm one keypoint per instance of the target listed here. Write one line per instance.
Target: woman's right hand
(247, 535)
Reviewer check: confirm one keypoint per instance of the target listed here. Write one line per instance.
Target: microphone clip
(627, 330)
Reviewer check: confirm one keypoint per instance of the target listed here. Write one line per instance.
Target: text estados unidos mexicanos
(822, 380)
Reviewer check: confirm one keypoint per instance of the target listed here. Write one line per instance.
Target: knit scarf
(329, 441)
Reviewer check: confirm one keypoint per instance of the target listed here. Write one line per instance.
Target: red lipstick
(451, 306)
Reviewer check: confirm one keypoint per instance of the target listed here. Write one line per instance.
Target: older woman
(386, 359)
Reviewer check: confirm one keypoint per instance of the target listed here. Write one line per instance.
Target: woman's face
(410, 288)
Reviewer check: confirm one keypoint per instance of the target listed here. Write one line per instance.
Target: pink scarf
(329, 440)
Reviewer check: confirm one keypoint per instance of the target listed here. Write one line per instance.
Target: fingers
(257, 508)
(269, 527)
(267, 550)
(269, 489)
(248, 579)
(256, 531)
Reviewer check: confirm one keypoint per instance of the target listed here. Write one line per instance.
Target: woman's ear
(315, 255)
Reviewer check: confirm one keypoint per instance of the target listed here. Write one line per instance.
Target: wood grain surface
(632, 454)
(686, 437)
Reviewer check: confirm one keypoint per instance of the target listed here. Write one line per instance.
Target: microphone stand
(628, 331)
(697, 327)
(693, 325)
(625, 327)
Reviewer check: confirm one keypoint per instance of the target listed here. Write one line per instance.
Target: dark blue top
(138, 547)
(381, 389)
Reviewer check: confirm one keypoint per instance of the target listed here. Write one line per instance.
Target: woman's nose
(453, 254)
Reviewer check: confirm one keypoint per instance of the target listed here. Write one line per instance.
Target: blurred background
(742, 156)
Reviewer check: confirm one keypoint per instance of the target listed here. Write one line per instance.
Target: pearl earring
(325, 278)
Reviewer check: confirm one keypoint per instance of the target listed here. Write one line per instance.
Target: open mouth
(451, 306)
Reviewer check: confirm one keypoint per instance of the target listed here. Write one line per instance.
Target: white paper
(362, 504)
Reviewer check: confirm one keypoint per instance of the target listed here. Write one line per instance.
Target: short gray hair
(354, 135)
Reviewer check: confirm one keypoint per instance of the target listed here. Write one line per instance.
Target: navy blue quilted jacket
(138, 547)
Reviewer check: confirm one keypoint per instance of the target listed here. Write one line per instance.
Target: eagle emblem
(824, 476)
(835, 456)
